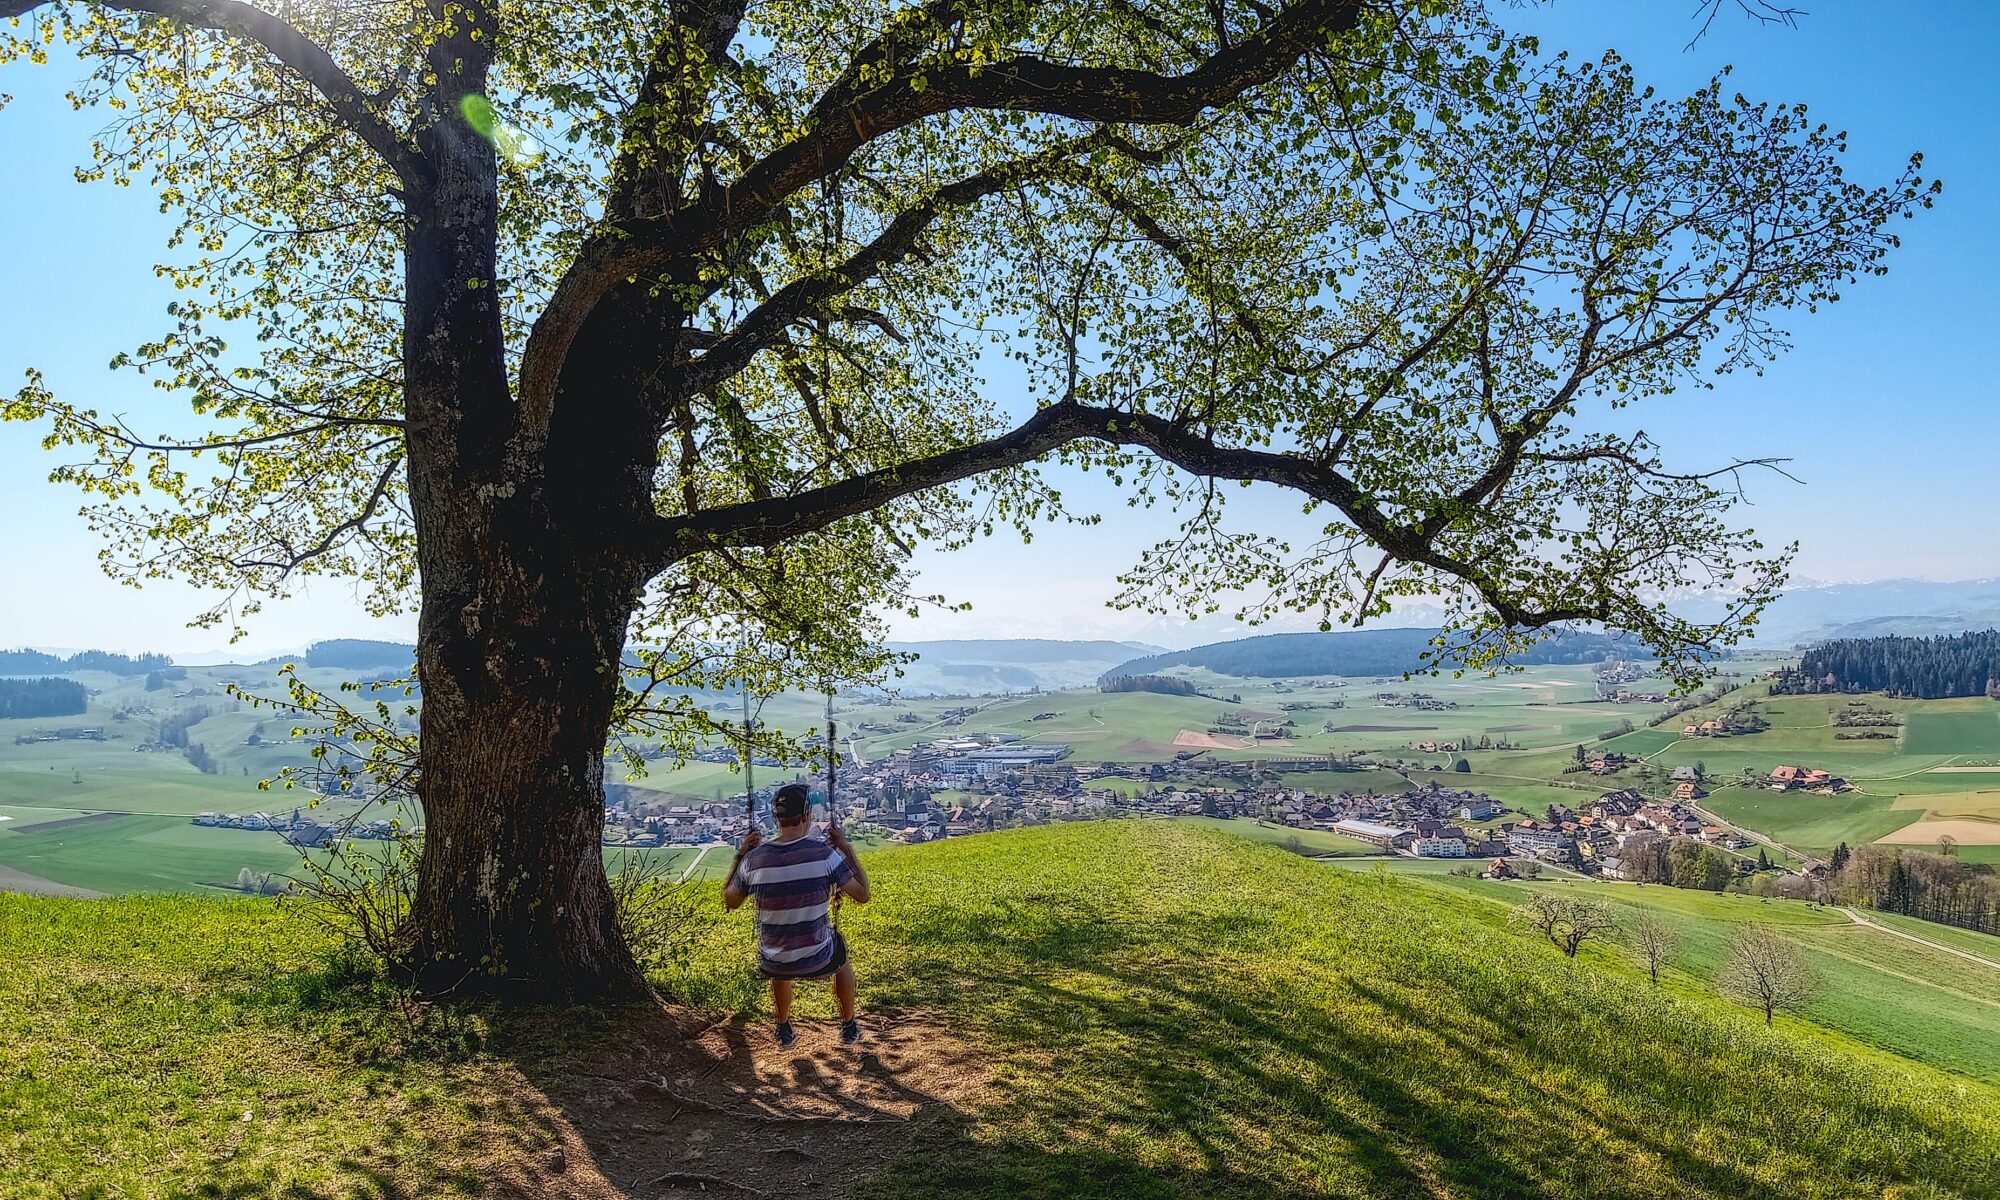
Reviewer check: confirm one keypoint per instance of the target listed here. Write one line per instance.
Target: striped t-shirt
(790, 881)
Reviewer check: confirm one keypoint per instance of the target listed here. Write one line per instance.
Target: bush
(656, 909)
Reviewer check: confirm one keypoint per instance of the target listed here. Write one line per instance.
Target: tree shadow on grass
(1042, 1050)
(1178, 1076)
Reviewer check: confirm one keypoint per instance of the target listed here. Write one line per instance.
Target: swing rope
(832, 813)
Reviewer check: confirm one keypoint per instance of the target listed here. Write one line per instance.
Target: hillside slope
(1164, 1011)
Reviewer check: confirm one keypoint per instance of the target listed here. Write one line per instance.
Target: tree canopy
(1930, 668)
(1382, 254)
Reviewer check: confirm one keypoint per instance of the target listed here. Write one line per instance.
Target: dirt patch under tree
(673, 1106)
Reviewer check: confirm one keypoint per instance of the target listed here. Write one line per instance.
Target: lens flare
(517, 146)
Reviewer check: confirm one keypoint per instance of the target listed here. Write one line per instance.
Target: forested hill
(34, 662)
(41, 698)
(1356, 652)
(1929, 668)
(357, 654)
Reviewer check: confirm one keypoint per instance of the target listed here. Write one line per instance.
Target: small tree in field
(1654, 940)
(1767, 972)
(1567, 921)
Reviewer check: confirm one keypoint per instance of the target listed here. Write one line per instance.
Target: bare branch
(1764, 12)
(810, 296)
(295, 559)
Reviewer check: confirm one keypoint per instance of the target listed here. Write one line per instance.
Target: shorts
(834, 962)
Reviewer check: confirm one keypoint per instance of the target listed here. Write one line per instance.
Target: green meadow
(142, 854)
(1315, 842)
(1968, 728)
(1884, 990)
(1163, 1011)
(1910, 787)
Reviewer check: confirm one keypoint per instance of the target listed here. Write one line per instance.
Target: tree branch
(849, 116)
(811, 295)
(295, 559)
(352, 106)
(780, 519)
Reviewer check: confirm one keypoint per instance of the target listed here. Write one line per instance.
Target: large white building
(1369, 831)
(1439, 847)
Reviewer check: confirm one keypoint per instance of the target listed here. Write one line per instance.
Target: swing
(834, 894)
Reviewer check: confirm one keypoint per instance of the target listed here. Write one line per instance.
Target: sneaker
(787, 1036)
(850, 1033)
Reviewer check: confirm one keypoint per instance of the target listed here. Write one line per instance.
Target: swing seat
(833, 963)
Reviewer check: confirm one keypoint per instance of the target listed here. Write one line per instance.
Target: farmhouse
(1785, 778)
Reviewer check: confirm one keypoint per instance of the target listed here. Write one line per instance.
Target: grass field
(175, 790)
(1910, 787)
(1881, 989)
(1165, 1012)
(1969, 730)
(1807, 821)
(143, 854)
(1541, 706)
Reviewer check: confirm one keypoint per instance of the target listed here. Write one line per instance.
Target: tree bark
(522, 628)
(528, 595)
(518, 693)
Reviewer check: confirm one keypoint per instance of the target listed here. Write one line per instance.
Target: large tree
(656, 333)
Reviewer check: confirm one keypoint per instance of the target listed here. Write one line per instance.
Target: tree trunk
(526, 602)
(512, 893)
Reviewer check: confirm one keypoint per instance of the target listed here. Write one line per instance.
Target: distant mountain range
(1898, 607)
(1352, 653)
(1009, 664)
(1806, 615)
(971, 666)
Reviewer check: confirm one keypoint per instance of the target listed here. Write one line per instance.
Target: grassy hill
(1889, 991)
(1164, 1011)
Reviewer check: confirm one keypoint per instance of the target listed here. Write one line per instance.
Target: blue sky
(1888, 404)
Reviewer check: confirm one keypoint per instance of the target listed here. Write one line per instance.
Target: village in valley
(971, 780)
(966, 786)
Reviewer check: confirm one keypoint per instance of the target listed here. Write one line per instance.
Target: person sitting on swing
(791, 877)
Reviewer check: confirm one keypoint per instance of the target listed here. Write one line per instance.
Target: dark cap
(791, 802)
